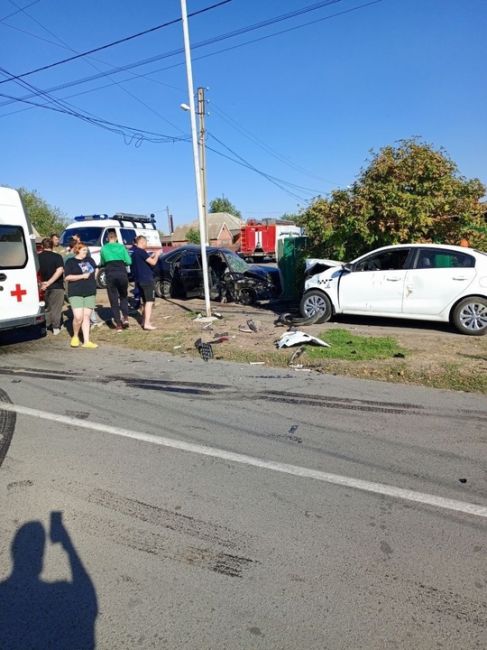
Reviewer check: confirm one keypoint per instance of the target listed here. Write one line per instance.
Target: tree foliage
(45, 218)
(193, 236)
(222, 204)
(408, 193)
(290, 216)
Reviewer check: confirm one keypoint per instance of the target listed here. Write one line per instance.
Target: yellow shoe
(75, 342)
(89, 345)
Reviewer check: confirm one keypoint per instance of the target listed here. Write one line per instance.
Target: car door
(439, 277)
(190, 274)
(375, 283)
(19, 292)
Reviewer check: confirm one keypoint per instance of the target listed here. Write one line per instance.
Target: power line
(122, 88)
(279, 182)
(265, 147)
(137, 135)
(118, 42)
(251, 167)
(133, 134)
(19, 9)
(200, 44)
(197, 45)
(237, 32)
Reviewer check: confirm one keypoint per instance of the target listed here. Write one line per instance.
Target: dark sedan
(179, 274)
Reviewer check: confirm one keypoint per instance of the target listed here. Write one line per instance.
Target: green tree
(409, 192)
(193, 236)
(45, 218)
(222, 204)
(290, 216)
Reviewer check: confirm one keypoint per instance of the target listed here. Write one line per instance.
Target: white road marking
(295, 470)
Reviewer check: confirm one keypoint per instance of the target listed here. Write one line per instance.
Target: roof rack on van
(125, 216)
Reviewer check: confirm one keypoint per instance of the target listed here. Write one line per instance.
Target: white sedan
(421, 281)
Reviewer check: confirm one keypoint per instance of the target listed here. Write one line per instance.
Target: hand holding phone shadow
(39, 614)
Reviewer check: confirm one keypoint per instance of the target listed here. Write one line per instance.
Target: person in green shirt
(114, 258)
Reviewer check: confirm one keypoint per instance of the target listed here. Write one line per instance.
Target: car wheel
(101, 281)
(316, 302)
(247, 297)
(162, 288)
(470, 316)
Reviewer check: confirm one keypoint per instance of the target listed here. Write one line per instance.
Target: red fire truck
(258, 240)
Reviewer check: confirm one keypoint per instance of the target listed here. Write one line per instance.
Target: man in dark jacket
(143, 271)
(51, 268)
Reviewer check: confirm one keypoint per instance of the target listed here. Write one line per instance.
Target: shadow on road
(38, 614)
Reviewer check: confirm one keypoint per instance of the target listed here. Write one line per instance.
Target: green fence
(291, 253)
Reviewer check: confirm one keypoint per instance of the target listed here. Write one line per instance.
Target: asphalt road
(218, 506)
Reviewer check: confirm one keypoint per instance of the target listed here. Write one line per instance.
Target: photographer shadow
(39, 614)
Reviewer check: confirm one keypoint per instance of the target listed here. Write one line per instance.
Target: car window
(13, 251)
(390, 260)
(190, 261)
(128, 236)
(443, 259)
(89, 235)
(171, 257)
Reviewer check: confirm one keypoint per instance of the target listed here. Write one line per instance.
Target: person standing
(142, 270)
(51, 268)
(115, 258)
(81, 274)
(94, 322)
(56, 244)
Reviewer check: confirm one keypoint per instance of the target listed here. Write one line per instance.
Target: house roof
(233, 223)
(216, 221)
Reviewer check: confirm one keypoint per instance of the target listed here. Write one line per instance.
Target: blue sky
(304, 106)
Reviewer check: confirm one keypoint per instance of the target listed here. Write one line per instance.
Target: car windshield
(236, 264)
(89, 235)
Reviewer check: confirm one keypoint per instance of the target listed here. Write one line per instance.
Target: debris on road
(295, 355)
(205, 319)
(205, 349)
(289, 339)
(253, 325)
(291, 320)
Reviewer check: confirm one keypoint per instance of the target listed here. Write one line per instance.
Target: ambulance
(20, 300)
(93, 229)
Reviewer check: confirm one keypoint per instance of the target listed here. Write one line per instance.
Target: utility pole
(202, 156)
(169, 221)
(189, 74)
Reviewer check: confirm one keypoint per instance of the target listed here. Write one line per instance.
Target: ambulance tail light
(42, 294)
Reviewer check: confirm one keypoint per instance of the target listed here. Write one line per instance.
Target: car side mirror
(348, 267)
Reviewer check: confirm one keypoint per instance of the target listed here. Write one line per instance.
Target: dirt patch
(433, 354)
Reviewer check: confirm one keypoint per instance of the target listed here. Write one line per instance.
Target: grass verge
(352, 347)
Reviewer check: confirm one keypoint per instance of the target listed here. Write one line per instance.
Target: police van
(20, 301)
(93, 231)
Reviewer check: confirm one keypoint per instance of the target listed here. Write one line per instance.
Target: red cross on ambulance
(18, 293)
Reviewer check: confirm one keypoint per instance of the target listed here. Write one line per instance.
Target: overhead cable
(19, 9)
(240, 160)
(118, 41)
(89, 62)
(265, 147)
(133, 134)
(194, 46)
